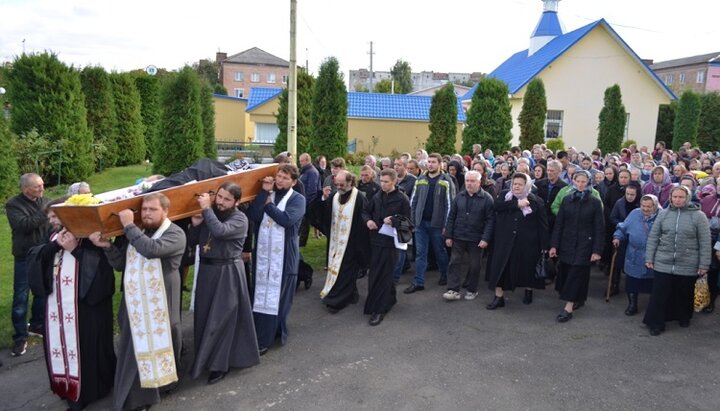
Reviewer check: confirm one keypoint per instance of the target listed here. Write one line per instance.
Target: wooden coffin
(83, 220)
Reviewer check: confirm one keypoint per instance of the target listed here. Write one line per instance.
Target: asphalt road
(433, 354)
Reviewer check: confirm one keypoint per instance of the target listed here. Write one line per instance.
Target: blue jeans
(426, 236)
(21, 291)
(401, 254)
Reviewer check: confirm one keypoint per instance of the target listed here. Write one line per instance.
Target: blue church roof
(520, 68)
(549, 25)
(393, 106)
(261, 95)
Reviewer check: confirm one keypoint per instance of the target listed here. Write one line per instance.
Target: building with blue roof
(577, 67)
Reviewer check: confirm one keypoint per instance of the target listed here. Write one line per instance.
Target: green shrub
(555, 144)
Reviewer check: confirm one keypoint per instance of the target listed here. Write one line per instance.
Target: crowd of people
(527, 219)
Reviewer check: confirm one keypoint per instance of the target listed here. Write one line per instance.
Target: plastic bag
(702, 294)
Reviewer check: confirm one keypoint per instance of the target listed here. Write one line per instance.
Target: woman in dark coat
(520, 236)
(456, 170)
(577, 240)
(486, 184)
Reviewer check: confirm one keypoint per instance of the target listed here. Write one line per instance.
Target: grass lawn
(105, 181)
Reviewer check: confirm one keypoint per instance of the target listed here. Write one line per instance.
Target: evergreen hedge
(149, 89)
(709, 127)
(305, 90)
(329, 112)
(9, 175)
(131, 137)
(532, 116)
(443, 121)
(687, 120)
(208, 119)
(489, 121)
(101, 117)
(611, 128)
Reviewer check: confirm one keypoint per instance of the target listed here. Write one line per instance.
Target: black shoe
(362, 273)
(655, 332)
(36, 330)
(355, 299)
(632, 307)
(19, 348)
(170, 388)
(376, 319)
(332, 310)
(527, 299)
(564, 317)
(263, 350)
(216, 376)
(614, 289)
(497, 302)
(684, 323)
(308, 283)
(75, 406)
(578, 305)
(413, 288)
(710, 308)
(442, 281)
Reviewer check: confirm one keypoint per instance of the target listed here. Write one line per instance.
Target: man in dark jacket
(367, 184)
(382, 209)
(468, 231)
(548, 188)
(310, 179)
(430, 206)
(28, 222)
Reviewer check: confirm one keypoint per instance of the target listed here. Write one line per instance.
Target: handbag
(702, 294)
(540, 268)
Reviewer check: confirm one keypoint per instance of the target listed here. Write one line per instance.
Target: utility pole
(371, 67)
(292, 84)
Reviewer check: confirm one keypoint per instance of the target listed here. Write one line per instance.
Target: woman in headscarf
(678, 250)
(577, 240)
(611, 179)
(517, 244)
(710, 206)
(614, 193)
(659, 184)
(502, 180)
(632, 235)
(489, 157)
(455, 169)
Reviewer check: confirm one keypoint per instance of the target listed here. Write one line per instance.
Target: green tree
(101, 117)
(665, 123)
(180, 141)
(709, 127)
(360, 88)
(443, 121)
(131, 133)
(687, 120)
(208, 119)
(149, 89)
(384, 86)
(9, 175)
(489, 121)
(209, 71)
(46, 95)
(402, 74)
(532, 115)
(611, 128)
(329, 112)
(305, 90)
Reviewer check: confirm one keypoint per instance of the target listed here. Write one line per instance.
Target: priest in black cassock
(78, 283)
(383, 210)
(341, 221)
(277, 212)
(224, 328)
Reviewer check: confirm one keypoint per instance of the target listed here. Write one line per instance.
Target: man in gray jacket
(430, 206)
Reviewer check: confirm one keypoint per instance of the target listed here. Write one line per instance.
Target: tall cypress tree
(305, 89)
(46, 95)
(149, 89)
(611, 128)
(180, 141)
(8, 162)
(208, 119)
(532, 115)
(687, 120)
(329, 112)
(665, 123)
(131, 137)
(709, 127)
(443, 121)
(101, 117)
(489, 121)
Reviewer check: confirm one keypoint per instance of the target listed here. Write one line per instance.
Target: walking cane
(610, 277)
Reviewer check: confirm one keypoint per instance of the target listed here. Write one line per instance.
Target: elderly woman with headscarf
(520, 236)
(577, 240)
(632, 234)
(678, 249)
(710, 206)
(457, 171)
(659, 184)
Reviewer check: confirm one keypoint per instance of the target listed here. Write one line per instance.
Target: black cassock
(356, 254)
(95, 289)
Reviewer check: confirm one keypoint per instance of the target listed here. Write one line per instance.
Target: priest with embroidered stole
(340, 215)
(224, 328)
(78, 283)
(149, 314)
(382, 217)
(277, 212)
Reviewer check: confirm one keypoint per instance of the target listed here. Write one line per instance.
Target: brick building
(700, 74)
(251, 68)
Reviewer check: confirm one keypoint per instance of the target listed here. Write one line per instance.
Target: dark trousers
(21, 295)
(304, 231)
(465, 261)
(671, 299)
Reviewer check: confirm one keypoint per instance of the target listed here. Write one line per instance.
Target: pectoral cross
(206, 248)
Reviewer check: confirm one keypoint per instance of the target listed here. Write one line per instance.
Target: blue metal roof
(260, 96)
(520, 68)
(393, 106)
(549, 25)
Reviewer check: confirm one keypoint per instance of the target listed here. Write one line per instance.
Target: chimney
(220, 56)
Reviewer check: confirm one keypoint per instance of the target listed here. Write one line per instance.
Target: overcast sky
(441, 36)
